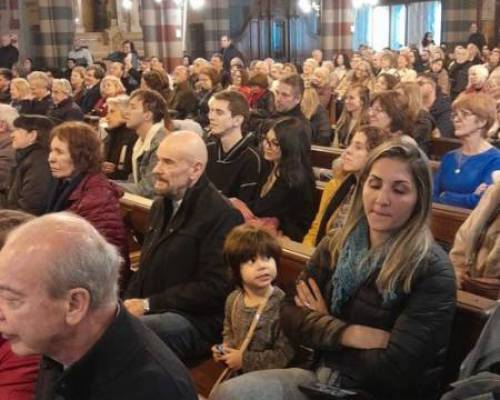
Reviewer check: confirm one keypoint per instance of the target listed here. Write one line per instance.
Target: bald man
(59, 298)
(182, 282)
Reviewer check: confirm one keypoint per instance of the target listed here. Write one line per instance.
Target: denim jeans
(273, 384)
(179, 334)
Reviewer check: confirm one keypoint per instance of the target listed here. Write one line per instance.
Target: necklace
(461, 160)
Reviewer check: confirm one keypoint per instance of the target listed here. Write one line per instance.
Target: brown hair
(83, 143)
(39, 123)
(374, 135)
(246, 242)
(483, 106)
(237, 103)
(259, 80)
(295, 82)
(395, 105)
(10, 219)
(243, 73)
(211, 73)
(154, 102)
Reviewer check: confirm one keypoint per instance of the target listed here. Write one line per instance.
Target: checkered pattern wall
(216, 24)
(57, 29)
(161, 24)
(457, 16)
(337, 16)
(9, 16)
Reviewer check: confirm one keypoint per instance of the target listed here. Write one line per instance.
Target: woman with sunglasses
(465, 173)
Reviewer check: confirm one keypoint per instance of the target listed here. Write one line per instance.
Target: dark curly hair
(83, 143)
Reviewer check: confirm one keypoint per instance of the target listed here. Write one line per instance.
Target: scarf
(355, 265)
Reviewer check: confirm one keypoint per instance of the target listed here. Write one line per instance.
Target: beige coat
(477, 243)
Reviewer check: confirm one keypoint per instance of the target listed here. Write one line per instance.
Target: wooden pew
(472, 310)
(323, 156)
(440, 146)
(446, 220)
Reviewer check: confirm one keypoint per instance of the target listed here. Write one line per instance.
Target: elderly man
(65, 108)
(459, 72)
(40, 89)
(182, 99)
(7, 116)
(58, 297)
(80, 53)
(182, 281)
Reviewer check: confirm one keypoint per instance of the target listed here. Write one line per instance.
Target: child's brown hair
(246, 242)
(10, 219)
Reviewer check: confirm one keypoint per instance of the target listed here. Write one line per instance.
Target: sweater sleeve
(227, 330)
(328, 192)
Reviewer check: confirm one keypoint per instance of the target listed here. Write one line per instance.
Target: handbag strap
(248, 338)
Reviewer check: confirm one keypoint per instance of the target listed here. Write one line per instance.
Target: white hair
(64, 85)
(80, 257)
(8, 114)
(481, 71)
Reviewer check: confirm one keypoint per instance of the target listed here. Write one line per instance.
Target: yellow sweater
(328, 193)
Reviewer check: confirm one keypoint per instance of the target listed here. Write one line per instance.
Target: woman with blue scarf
(377, 299)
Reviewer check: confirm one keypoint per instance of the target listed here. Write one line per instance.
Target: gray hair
(79, 257)
(64, 85)
(8, 114)
(39, 75)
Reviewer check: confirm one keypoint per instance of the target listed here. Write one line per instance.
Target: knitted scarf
(354, 266)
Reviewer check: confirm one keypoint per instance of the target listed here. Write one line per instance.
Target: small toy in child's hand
(220, 349)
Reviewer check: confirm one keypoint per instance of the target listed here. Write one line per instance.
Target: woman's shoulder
(436, 264)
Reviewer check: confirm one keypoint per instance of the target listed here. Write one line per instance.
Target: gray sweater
(269, 347)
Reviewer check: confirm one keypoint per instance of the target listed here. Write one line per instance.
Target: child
(252, 255)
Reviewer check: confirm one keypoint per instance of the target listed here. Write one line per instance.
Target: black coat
(127, 362)
(118, 147)
(441, 112)
(228, 54)
(183, 100)
(66, 110)
(292, 206)
(181, 267)
(90, 98)
(419, 324)
(42, 106)
(321, 130)
(459, 76)
(9, 55)
(31, 181)
(22, 106)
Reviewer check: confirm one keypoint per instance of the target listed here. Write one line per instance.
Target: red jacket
(17, 374)
(96, 200)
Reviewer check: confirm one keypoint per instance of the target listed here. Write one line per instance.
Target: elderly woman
(308, 69)
(375, 301)
(31, 181)
(466, 173)
(478, 75)
(320, 81)
(110, 86)
(75, 161)
(20, 93)
(405, 73)
(120, 140)
(208, 83)
(65, 108)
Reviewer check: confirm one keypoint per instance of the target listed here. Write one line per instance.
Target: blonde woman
(20, 94)
(321, 132)
(354, 114)
(422, 123)
(377, 298)
(110, 86)
(78, 84)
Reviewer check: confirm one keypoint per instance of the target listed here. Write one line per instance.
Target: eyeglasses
(375, 110)
(461, 114)
(272, 143)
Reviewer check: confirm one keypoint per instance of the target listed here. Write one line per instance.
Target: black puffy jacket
(419, 324)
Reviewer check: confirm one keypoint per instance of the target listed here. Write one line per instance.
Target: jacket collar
(103, 362)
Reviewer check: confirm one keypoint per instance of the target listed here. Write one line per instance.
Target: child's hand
(216, 354)
(233, 359)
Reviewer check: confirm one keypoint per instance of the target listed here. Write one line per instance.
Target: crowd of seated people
(225, 141)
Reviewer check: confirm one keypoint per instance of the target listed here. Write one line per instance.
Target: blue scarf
(354, 266)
